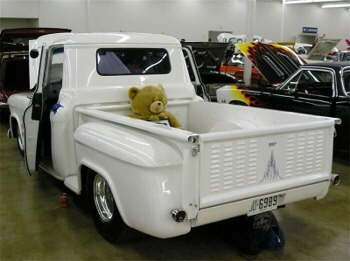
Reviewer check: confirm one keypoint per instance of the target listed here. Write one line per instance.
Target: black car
(316, 88)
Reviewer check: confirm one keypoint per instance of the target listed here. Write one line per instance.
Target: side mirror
(34, 53)
(37, 101)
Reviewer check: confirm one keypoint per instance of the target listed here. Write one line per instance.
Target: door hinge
(194, 139)
(195, 149)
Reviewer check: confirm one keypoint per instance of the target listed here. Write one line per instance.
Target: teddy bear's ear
(132, 92)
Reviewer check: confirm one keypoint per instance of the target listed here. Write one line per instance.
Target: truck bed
(243, 151)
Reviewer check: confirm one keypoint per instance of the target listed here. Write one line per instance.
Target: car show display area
(175, 130)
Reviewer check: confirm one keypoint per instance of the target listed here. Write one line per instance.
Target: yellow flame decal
(237, 95)
(244, 48)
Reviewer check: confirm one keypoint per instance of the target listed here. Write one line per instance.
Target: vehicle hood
(208, 55)
(18, 39)
(322, 49)
(275, 62)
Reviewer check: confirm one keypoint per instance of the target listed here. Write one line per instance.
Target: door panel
(31, 130)
(31, 127)
(312, 104)
(342, 140)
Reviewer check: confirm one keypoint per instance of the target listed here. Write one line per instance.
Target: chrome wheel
(103, 198)
(20, 142)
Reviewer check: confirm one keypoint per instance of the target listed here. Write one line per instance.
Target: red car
(14, 68)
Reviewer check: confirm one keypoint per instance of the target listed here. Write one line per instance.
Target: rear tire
(251, 234)
(105, 213)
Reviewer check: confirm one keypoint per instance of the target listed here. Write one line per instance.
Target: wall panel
(189, 19)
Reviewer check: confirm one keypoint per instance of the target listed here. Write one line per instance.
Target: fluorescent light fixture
(298, 2)
(335, 5)
(308, 1)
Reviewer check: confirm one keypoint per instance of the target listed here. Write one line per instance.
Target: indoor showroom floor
(34, 227)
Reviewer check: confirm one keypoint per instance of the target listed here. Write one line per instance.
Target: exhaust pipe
(178, 215)
(335, 179)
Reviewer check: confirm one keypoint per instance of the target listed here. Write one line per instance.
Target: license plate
(265, 203)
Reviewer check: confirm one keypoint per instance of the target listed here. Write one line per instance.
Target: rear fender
(104, 173)
(131, 146)
(140, 169)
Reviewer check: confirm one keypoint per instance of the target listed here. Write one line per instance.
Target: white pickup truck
(227, 160)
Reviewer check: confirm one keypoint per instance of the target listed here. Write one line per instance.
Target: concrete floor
(33, 227)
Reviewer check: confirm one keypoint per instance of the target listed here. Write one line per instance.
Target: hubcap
(103, 198)
(20, 143)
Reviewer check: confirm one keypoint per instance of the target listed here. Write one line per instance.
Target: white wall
(70, 14)
(334, 23)
(189, 19)
(19, 8)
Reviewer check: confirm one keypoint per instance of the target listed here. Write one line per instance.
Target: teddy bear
(149, 103)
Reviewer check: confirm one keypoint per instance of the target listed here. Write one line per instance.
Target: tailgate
(239, 166)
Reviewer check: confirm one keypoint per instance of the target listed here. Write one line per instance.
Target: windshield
(132, 61)
(346, 81)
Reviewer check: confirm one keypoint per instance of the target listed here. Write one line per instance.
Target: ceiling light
(298, 2)
(309, 1)
(335, 5)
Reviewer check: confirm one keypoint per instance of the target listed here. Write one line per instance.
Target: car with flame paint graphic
(317, 88)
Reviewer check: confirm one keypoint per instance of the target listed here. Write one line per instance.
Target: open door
(33, 113)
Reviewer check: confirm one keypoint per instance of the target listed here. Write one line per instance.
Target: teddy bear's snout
(157, 107)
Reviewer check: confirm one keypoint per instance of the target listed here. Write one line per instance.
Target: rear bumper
(240, 207)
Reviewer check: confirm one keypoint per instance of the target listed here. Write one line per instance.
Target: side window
(55, 69)
(316, 82)
(54, 73)
(292, 84)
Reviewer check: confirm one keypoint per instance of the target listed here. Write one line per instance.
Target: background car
(318, 88)
(14, 67)
(208, 58)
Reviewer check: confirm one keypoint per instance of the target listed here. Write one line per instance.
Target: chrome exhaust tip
(335, 179)
(178, 215)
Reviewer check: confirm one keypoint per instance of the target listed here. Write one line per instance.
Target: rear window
(132, 61)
